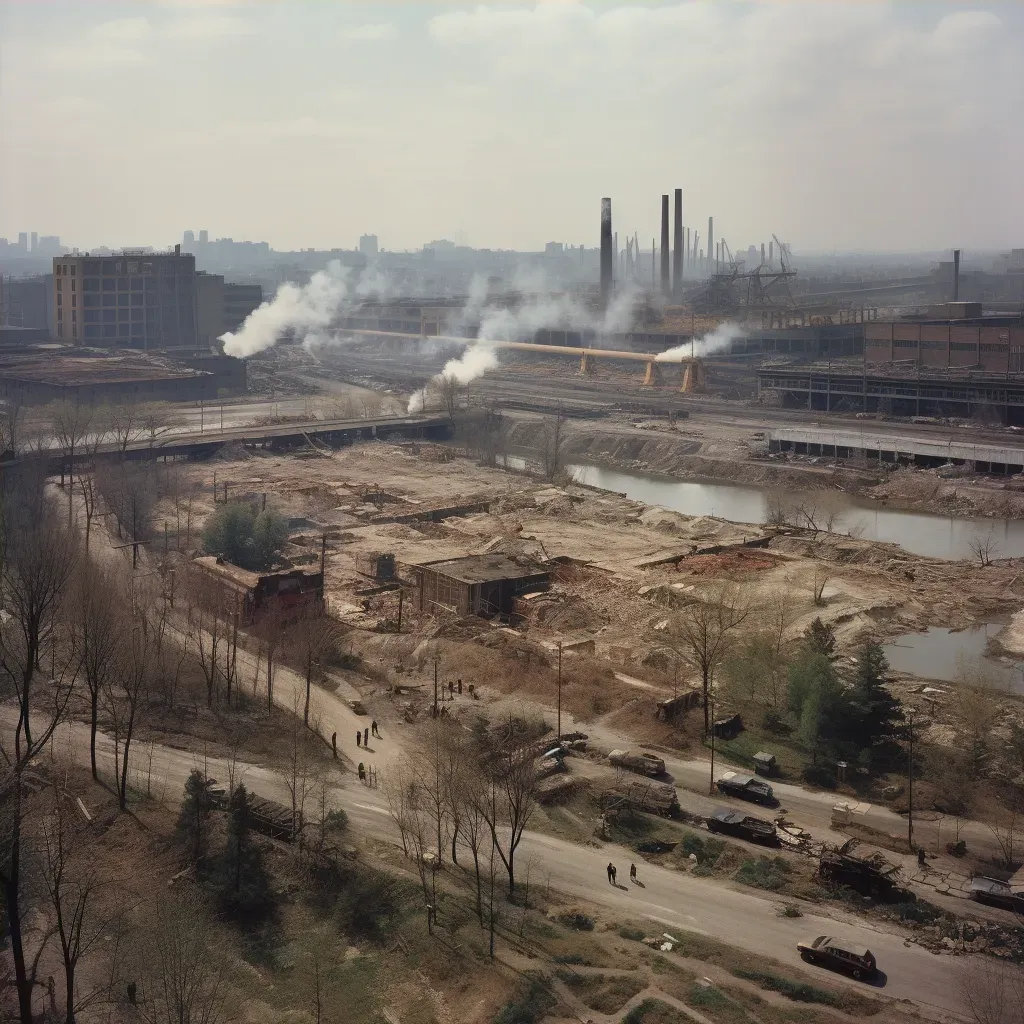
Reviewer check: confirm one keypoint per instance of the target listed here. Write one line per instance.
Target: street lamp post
(436, 659)
(559, 737)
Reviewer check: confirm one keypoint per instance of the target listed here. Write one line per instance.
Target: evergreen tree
(195, 810)
(239, 875)
(821, 639)
(876, 715)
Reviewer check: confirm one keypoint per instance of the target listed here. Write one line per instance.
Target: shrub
(798, 991)
(764, 873)
(531, 1007)
(819, 775)
(577, 920)
(369, 903)
(634, 934)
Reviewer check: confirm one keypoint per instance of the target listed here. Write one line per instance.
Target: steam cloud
(306, 310)
(473, 363)
(716, 341)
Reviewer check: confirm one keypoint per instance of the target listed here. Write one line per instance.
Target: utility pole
(910, 785)
(559, 691)
(711, 699)
(436, 659)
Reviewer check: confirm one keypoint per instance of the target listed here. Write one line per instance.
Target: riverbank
(705, 450)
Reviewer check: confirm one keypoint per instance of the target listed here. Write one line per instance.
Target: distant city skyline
(847, 126)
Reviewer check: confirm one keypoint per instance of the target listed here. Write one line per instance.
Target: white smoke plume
(474, 362)
(541, 310)
(718, 340)
(304, 311)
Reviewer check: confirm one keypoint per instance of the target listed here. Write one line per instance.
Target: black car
(747, 787)
(840, 956)
(726, 821)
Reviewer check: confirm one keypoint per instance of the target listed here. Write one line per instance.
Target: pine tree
(195, 810)
(238, 831)
(876, 715)
(821, 639)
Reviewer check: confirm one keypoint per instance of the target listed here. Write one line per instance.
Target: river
(922, 533)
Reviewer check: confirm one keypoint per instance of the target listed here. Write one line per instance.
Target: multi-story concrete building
(131, 298)
(222, 306)
(239, 301)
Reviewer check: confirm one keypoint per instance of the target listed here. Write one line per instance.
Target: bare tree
(551, 444)
(82, 922)
(124, 422)
(1005, 831)
(508, 802)
(72, 422)
(984, 548)
(301, 772)
(100, 626)
(449, 390)
(130, 494)
(12, 414)
(181, 966)
(313, 638)
(399, 787)
(992, 991)
(469, 792)
(36, 567)
(700, 634)
(818, 581)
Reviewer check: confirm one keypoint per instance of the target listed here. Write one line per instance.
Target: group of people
(612, 873)
(363, 735)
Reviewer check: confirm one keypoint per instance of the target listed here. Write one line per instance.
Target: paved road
(670, 900)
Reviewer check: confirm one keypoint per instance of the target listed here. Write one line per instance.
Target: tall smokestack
(956, 275)
(771, 253)
(711, 238)
(688, 257)
(606, 250)
(762, 254)
(677, 244)
(665, 266)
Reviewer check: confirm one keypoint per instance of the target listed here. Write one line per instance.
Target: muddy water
(932, 535)
(949, 656)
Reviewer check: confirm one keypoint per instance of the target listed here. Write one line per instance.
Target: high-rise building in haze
(23, 241)
(35, 241)
(188, 239)
(204, 236)
(368, 245)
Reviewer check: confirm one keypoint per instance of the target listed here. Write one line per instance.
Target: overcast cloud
(835, 125)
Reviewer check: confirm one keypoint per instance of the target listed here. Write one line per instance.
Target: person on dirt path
(632, 872)
(366, 736)
(373, 729)
(359, 737)
(362, 772)
(334, 745)
(611, 873)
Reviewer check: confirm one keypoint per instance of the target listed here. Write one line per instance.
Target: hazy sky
(835, 125)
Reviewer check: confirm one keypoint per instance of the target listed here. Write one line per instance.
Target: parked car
(746, 787)
(840, 956)
(996, 894)
(726, 821)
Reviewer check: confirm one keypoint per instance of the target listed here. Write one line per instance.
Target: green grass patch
(771, 873)
(804, 992)
(603, 993)
(714, 1003)
(654, 1011)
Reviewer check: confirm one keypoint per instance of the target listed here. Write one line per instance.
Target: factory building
(222, 306)
(132, 299)
(485, 585)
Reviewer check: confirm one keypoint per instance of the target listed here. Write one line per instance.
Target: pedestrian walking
(611, 873)
(366, 737)
(373, 728)
(632, 872)
(334, 745)
(359, 738)
(362, 772)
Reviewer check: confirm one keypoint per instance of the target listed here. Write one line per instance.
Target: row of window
(109, 316)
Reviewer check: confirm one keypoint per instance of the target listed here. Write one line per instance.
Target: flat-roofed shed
(485, 585)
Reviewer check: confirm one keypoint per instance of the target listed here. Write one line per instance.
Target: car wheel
(809, 957)
(857, 974)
